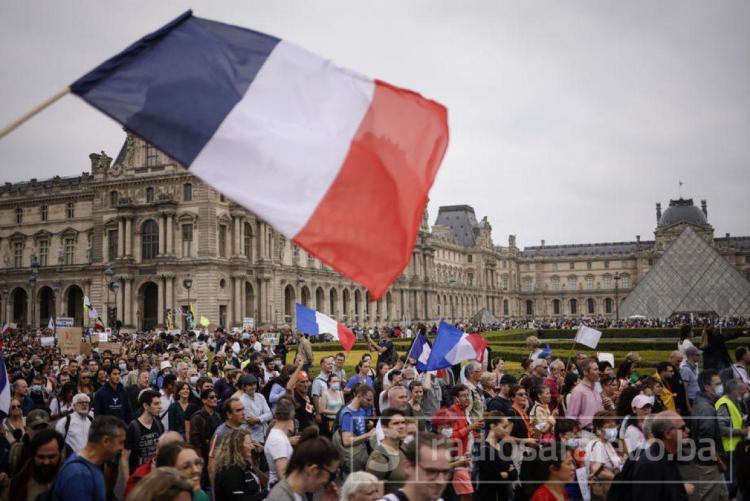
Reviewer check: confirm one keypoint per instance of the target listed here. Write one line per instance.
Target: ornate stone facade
(155, 225)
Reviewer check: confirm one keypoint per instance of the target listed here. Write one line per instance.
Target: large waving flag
(315, 323)
(420, 351)
(345, 162)
(4, 388)
(452, 346)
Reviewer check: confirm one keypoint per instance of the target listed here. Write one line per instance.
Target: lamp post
(115, 286)
(108, 278)
(617, 301)
(56, 289)
(188, 284)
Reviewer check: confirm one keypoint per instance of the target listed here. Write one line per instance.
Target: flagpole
(30, 114)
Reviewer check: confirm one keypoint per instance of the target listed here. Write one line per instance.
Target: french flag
(4, 388)
(452, 346)
(315, 323)
(338, 162)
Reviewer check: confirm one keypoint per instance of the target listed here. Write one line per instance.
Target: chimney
(704, 208)
(542, 242)
(511, 241)
(727, 236)
(658, 212)
(638, 241)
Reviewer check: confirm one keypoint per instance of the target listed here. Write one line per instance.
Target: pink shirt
(585, 401)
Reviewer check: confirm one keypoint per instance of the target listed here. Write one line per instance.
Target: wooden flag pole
(29, 114)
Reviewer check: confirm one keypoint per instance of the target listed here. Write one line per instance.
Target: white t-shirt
(277, 446)
(602, 453)
(634, 438)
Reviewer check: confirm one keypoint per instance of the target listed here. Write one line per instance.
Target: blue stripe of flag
(306, 321)
(175, 86)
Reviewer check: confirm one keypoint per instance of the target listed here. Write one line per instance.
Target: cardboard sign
(606, 357)
(64, 322)
(69, 340)
(113, 347)
(270, 338)
(48, 341)
(248, 322)
(85, 348)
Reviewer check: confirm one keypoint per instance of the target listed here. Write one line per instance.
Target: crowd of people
(222, 416)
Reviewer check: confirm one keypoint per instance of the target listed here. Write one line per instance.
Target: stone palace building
(142, 238)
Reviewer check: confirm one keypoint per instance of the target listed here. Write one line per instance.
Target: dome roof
(682, 211)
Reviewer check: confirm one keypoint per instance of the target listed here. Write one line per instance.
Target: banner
(248, 323)
(588, 336)
(48, 341)
(115, 348)
(270, 338)
(69, 340)
(64, 322)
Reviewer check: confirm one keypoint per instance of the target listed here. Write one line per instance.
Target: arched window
(187, 192)
(556, 306)
(608, 305)
(113, 196)
(590, 305)
(573, 307)
(149, 239)
(149, 194)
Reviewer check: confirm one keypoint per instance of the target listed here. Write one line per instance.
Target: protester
(36, 421)
(257, 412)
(353, 430)
(75, 427)
(163, 484)
(111, 399)
(633, 434)
(278, 447)
(14, 424)
(143, 470)
(37, 474)
(178, 409)
(603, 461)
(142, 434)
(496, 472)
(386, 461)
(585, 401)
(329, 403)
(542, 419)
(233, 464)
(361, 486)
(427, 466)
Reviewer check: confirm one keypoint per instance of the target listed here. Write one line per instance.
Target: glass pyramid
(691, 276)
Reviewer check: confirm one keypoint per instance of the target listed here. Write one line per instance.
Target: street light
(108, 278)
(617, 301)
(188, 284)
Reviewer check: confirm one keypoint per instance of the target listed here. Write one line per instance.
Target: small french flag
(452, 346)
(4, 388)
(338, 162)
(315, 323)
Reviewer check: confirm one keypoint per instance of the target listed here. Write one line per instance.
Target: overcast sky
(568, 120)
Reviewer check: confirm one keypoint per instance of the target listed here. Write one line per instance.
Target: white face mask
(447, 432)
(610, 434)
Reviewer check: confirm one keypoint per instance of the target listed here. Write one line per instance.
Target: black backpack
(620, 489)
(67, 424)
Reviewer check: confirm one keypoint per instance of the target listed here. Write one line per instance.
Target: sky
(568, 120)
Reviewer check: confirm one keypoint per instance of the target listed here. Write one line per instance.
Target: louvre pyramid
(691, 276)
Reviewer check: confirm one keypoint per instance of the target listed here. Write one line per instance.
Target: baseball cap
(166, 365)
(37, 419)
(641, 401)
(692, 350)
(247, 379)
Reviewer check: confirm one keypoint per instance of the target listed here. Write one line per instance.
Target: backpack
(67, 424)
(620, 489)
(352, 458)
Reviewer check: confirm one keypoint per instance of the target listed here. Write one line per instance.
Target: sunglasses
(15, 406)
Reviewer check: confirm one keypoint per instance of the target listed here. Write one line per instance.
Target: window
(607, 282)
(19, 215)
(527, 284)
(222, 241)
(608, 305)
(112, 244)
(43, 212)
(187, 192)
(573, 307)
(149, 240)
(17, 254)
(747, 259)
(554, 266)
(70, 251)
(529, 307)
(590, 305)
(625, 281)
(471, 258)
(606, 265)
(149, 194)
(556, 306)
(113, 196)
(572, 266)
(70, 210)
(248, 236)
(152, 156)
(187, 240)
(504, 282)
(589, 283)
(43, 252)
(221, 198)
(555, 283)
(588, 265)
(572, 283)
(505, 307)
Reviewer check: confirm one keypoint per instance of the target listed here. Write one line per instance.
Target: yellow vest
(730, 443)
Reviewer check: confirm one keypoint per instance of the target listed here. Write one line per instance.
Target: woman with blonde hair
(233, 469)
(163, 484)
(361, 486)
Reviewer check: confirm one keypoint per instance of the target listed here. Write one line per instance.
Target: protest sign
(588, 336)
(48, 341)
(248, 322)
(270, 338)
(104, 336)
(113, 347)
(606, 357)
(69, 340)
(64, 322)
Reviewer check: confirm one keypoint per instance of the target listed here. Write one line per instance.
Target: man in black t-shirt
(143, 433)
(386, 350)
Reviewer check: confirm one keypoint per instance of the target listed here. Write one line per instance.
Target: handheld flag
(315, 323)
(588, 336)
(4, 388)
(204, 321)
(346, 161)
(420, 352)
(452, 346)
(51, 324)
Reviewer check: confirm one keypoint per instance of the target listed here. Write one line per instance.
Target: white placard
(270, 338)
(248, 322)
(583, 483)
(603, 356)
(48, 341)
(64, 322)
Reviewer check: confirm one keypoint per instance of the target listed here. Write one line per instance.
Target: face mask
(193, 380)
(336, 386)
(573, 443)
(719, 390)
(611, 434)
(123, 366)
(35, 388)
(447, 432)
